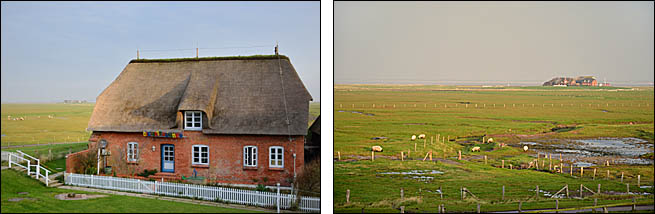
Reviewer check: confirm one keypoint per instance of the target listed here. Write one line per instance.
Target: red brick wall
(73, 159)
(225, 156)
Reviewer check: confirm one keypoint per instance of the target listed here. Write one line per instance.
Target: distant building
(74, 101)
(569, 81)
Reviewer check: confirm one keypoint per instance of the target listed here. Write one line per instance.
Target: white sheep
(490, 140)
(413, 137)
(376, 148)
(525, 148)
(475, 149)
(421, 136)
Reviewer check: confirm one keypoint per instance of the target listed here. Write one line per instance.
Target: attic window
(193, 120)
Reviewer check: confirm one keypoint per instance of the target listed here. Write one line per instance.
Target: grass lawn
(466, 114)
(44, 201)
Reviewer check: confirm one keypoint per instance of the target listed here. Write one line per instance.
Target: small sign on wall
(163, 134)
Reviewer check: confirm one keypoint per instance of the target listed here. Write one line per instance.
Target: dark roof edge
(252, 57)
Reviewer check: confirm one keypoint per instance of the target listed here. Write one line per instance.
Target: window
(193, 120)
(250, 156)
(200, 154)
(132, 151)
(277, 157)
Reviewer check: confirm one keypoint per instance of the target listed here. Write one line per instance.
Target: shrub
(147, 173)
(309, 180)
(261, 188)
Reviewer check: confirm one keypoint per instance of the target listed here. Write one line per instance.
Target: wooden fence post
(581, 191)
(520, 204)
(440, 192)
(627, 188)
(402, 209)
(402, 194)
(372, 155)
(485, 160)
(348, 196)
(608, 172)
(503, 197)
(571, 169)
(502, 164)
(567, 191)
(537, 192)
(594, 174)
(638, 181)
(459, 153)
(595, 204)
(556, 205)
(339, 156)
(634, 204)
(581, 171)
(402, 156)
(561, 167)
(478, 207)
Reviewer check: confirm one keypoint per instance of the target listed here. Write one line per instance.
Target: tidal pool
(587, 152)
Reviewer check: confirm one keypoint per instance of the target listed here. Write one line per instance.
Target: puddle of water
(379, 138)
(413, 172)
(624, 150)
(583, 164)
(423, 178)
(357, 112)
(645, 187)
(3, 135)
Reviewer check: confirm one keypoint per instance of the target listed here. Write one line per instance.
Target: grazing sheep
(490, 140)
(21, 118)
(475, 149)
(421, 136)
(525, 148)
(9, 117)
(376, 148)
(413, 137)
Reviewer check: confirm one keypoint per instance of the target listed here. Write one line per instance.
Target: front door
(167, 158)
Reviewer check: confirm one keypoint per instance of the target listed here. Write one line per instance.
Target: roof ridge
(212, 58)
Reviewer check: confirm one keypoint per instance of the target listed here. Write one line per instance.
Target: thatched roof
(239, 95)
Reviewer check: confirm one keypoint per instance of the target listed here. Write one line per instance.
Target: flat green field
(466, 114)
(68, 124)
(41, 199)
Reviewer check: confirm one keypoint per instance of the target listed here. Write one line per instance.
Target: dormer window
(193, 120)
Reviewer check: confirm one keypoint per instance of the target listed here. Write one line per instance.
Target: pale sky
(52, 51)
(460, 42)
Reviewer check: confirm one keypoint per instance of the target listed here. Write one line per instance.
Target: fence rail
(239, 196)
(20, 159)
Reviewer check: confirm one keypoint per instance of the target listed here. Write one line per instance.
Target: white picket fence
(238, 196)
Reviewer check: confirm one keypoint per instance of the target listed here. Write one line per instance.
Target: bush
(147, 173)
(309, 180)
(261, 188)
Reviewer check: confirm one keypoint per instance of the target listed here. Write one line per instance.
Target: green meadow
(461, 116)
(68, 124)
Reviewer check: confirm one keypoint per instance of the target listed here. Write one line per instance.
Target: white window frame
(274, 158)
(252, 157)
(132, 151)
(194, 120)
(193, 154)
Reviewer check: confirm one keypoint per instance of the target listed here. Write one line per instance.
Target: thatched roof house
(232, 119)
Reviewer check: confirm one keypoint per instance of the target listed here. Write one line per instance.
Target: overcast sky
(460, 42)
(53, 51)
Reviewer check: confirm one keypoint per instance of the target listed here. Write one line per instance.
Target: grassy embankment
(609, 115)
(42, 200)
